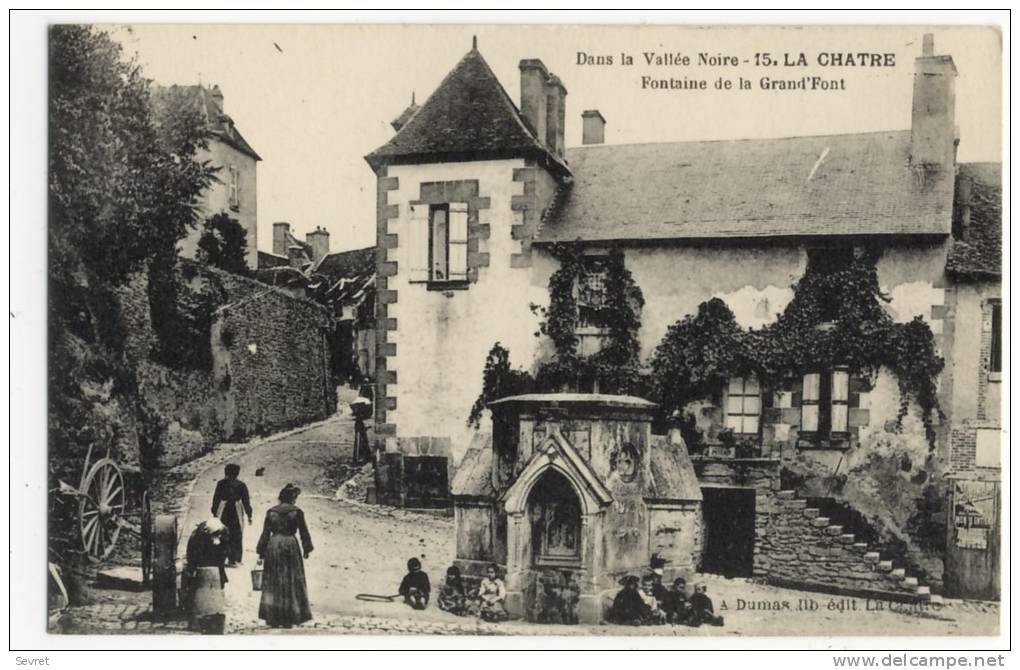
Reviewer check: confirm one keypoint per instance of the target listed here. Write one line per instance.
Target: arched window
(555, 514)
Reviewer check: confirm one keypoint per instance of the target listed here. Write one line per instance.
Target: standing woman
(284, 591)
(230, 505)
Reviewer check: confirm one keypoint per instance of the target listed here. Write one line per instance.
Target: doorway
(729, 531)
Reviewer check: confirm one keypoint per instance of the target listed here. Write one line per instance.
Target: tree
(124, 187)
(224, 244)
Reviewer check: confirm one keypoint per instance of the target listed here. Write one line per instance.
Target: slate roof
(468, 117)
(218, 123)
(979, 254)
(859, 184)
(268, 260)
(347, 264)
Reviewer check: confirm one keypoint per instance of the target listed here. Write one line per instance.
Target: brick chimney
(593, 127)
(296, 256)
(556, 113)
(933, 117)
(281, 229)
(318, 239)
(217, 97)
(534, 95)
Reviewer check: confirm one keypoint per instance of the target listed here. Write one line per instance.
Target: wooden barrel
(164, 569)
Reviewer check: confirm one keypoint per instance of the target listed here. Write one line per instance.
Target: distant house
(342, 280)
(234, 191)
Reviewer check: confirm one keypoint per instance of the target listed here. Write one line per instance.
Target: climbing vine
(613, 311)
(836, 318)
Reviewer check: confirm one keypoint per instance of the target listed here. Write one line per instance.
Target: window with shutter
(995, 351)
(457, 240)
(840, 406)
(233, 188)
(809, 403)
(825, 403)
(743, 405)
(417, 243)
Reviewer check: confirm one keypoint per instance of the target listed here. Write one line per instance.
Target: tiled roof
(347, 264)
(268, 260)
(218, 123)
(858, 184)
(977, 252)
(474, 473)
(469, 116)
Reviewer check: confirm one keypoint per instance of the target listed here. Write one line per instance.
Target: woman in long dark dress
(284, 591)
(231, 504)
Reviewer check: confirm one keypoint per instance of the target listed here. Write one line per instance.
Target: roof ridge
(738, 139)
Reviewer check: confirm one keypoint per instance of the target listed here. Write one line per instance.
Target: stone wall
(270, 365)
(800, 548)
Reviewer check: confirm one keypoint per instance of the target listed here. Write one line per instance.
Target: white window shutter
(811, 384)
(809, 418)
(458, 240)
(840, 385)
(417, 243)
(839, 418)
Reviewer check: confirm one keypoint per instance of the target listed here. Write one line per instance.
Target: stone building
(574, 493)
(475, 194)
(975, 377)
(234, 191)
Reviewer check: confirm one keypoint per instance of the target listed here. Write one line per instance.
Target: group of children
(487, 602)
(639, 603)
(648, 602)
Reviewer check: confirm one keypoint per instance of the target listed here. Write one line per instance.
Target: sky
(313, 100)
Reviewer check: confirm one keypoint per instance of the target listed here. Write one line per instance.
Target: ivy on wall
(836, 318)
(615, 367)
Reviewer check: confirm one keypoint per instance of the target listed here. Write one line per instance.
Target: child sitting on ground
(656, 615)
(415, 586)
(492, 595)
(701, 608)
(676, 605)
(452, 597)
(629, 608)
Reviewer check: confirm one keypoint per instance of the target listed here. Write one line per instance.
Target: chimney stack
(281, 230)
(933, 115)
(534, 95)
(556, 112)
(318, 239)
(593, 127)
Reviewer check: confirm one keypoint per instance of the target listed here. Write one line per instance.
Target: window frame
(994, 362)
(829, 396)
(448, 282)
(234, 188)
(593, 265)
(743, 414)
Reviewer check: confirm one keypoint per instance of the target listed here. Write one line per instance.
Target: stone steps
(859, 559)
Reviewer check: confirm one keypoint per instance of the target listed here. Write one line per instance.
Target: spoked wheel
(100, 509)
(146, 539)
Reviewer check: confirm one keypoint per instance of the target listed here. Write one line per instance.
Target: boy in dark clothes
(701, 608)
(415, 586)
(676, 605)
(629, 608)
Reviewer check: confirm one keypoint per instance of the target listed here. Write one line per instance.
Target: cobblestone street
(363, 549)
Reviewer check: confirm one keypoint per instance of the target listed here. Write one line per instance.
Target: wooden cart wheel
(146, 538)
(99, 510)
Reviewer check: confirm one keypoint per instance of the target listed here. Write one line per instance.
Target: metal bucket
(256, 577)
